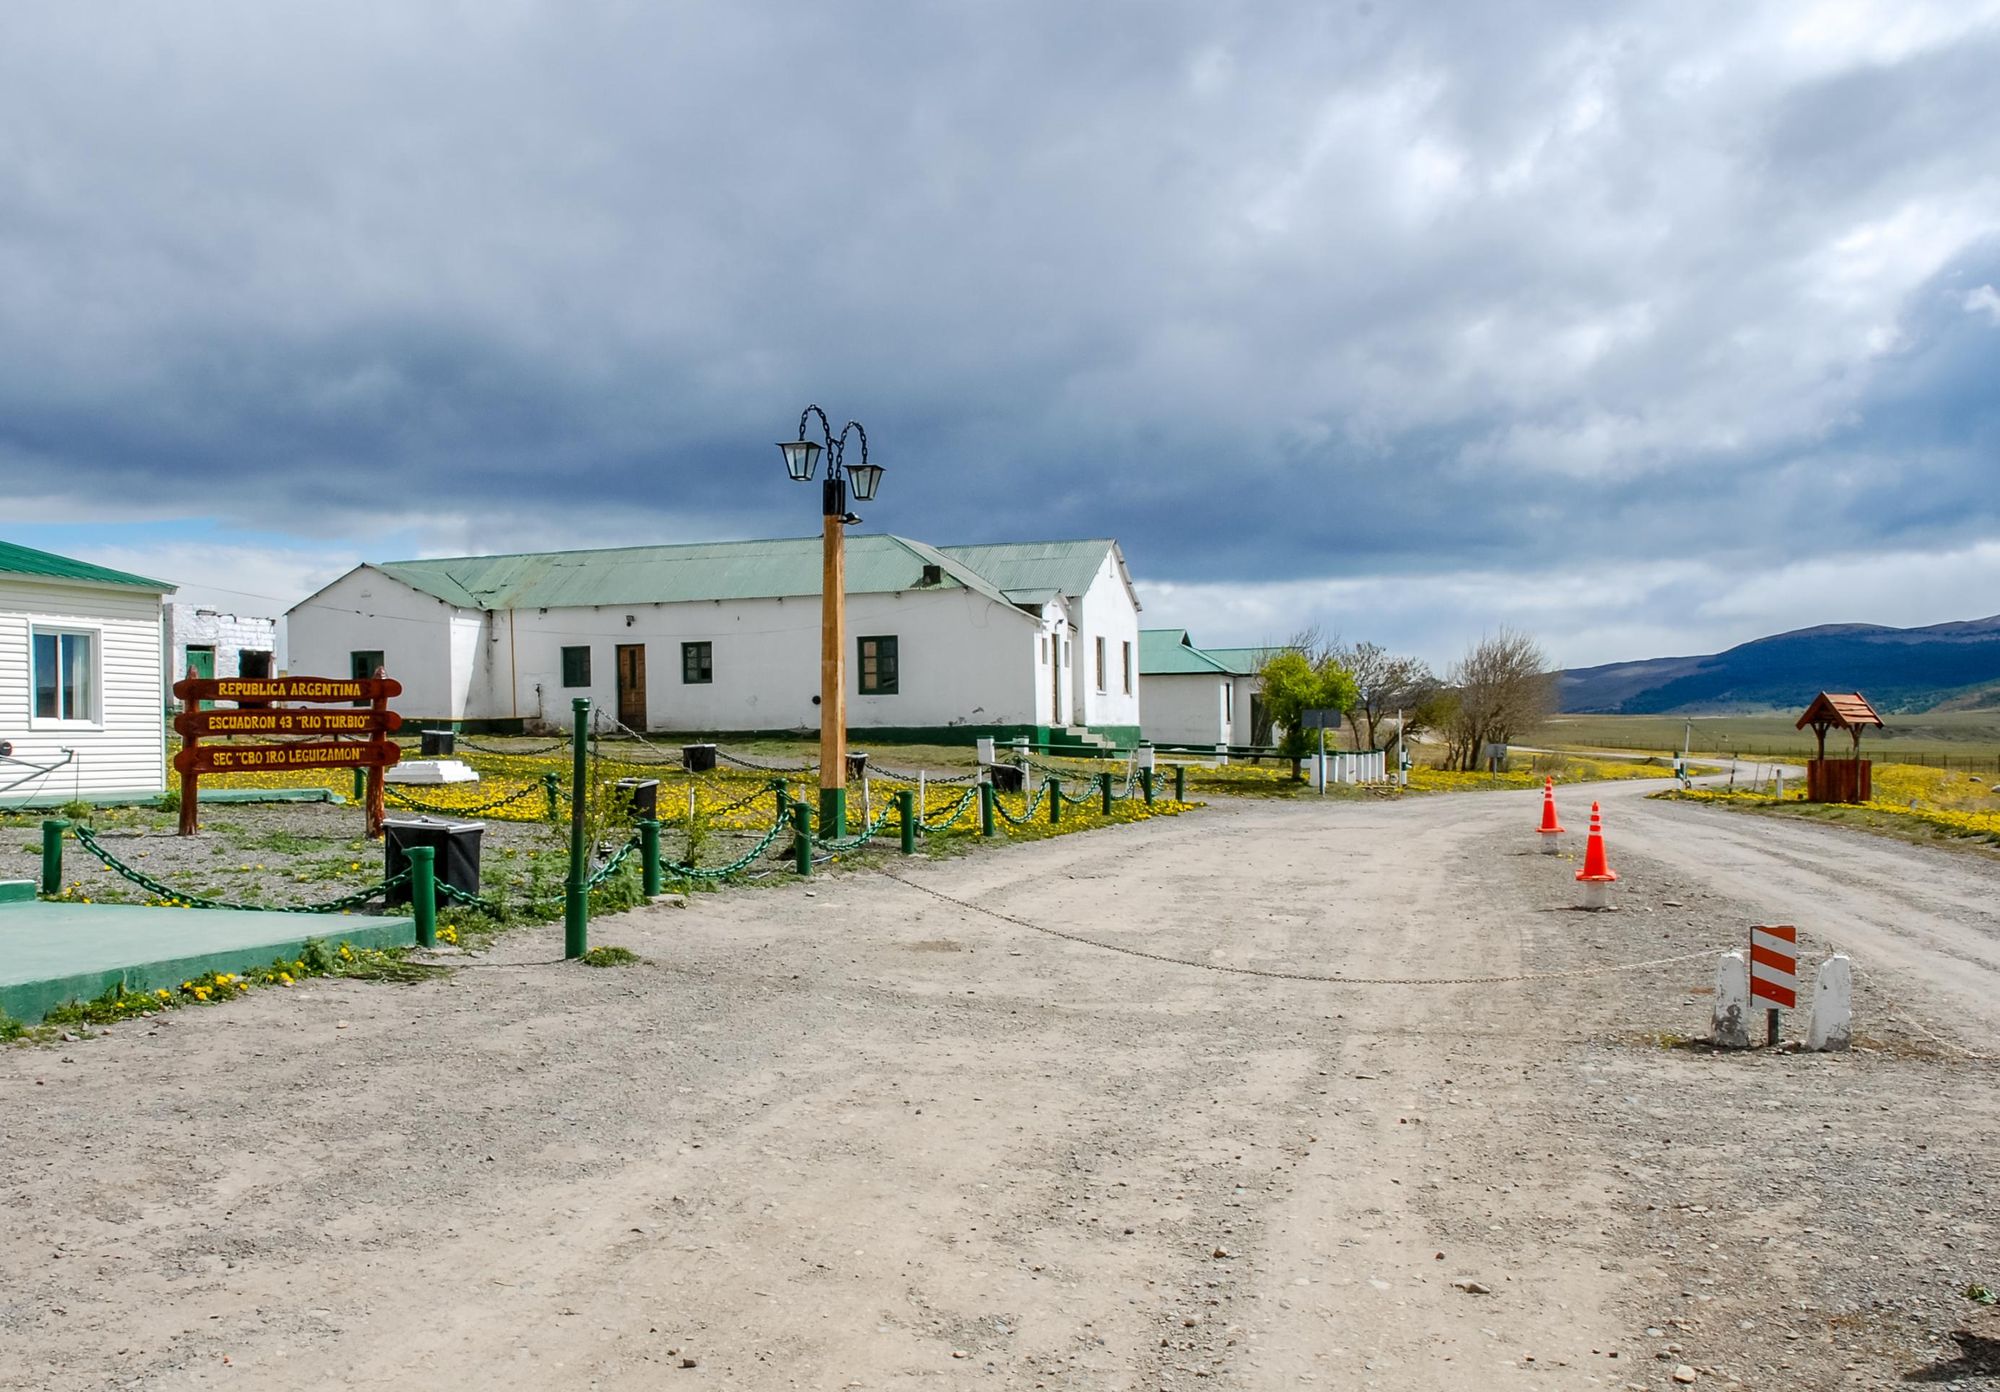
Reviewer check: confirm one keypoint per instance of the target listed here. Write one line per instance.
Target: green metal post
(576, 896)
(1104, 787)
(1146, 785)
(552, 789)
(52, 835)
(1055, 800)
(906, 808)
(1180, 782)
(802, 830)
(649, 850)
(987, 826)
(784, 802)
(833, 812)
(424, 894)
(360, 784)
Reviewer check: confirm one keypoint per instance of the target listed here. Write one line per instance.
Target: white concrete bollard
(1729, 1027)
(1832, 1024)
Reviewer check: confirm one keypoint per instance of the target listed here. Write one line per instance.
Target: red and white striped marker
(1774, 964)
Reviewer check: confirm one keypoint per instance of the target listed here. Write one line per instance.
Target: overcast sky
(1649, 328)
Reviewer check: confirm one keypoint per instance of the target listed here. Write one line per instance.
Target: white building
(81, 658)
(215, 644)
(1034, 639)
(1201, 697)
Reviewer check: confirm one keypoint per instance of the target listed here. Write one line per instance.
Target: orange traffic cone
(1551, 830)
(1597, 876)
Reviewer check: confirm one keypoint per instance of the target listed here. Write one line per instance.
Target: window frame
(1103, 676)
(381, 657)
(568, 649)
(1126, 646)
(94, 720)
(704, 648)
(892, 658)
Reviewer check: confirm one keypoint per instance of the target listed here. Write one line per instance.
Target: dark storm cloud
(1270, 291)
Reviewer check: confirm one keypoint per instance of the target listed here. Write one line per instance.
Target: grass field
(1954, 739)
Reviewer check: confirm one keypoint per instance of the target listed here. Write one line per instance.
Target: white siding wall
(1188, 708)
(963, 660)
(124, 749)
(1108, 612)
(366, 611)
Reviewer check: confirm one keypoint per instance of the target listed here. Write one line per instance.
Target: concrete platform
(52, 953)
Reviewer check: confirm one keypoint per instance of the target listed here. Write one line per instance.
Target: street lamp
(801, 459)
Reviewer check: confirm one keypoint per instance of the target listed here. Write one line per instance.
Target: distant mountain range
(1944, 666)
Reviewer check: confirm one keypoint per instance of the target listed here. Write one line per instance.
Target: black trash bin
(439, 744)
(1008, 778)
(456, 845)
(640, 797)
(698, 758)
(857, 764)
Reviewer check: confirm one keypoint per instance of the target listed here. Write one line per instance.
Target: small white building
(215, 644)
(1037, 640)
(1200, 697)
(81, 681)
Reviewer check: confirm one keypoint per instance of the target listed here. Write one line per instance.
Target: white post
(1832, 1024)
(1781, 785)
(1729, 1026)
(985, 750)
(690, 806)
(922, 802)
(865, 809)
(1322, 760)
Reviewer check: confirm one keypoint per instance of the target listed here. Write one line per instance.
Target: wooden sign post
(258, 713)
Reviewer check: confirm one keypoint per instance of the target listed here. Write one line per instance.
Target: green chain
(166, 891)
(863, 837)
(692, 872)
(925, 824)
(1027, 813)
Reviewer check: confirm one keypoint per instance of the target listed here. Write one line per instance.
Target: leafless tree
(1386, 683)
(1504, 689)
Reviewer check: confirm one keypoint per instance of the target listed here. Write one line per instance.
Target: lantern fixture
(801, 458)
(864, 479)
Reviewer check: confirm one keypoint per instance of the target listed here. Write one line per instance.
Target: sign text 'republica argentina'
(286, 689)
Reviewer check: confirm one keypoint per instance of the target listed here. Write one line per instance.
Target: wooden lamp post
(801, 458)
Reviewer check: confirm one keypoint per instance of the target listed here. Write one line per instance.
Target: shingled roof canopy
(1850, 712)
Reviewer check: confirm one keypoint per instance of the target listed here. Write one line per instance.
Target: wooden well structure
(1839, 780)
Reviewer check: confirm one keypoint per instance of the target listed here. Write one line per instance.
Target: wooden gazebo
(1839, 780)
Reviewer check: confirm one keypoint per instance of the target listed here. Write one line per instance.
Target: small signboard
(1318, 719)
(1774, 965)
(370, 722)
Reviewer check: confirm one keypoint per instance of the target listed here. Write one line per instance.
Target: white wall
(122, 750)
(963, 660)
(1108, 611)
(1187, 708)
(365, 611)
(230, 635)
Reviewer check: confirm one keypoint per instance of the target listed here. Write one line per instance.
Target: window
(253, 662)
(878, 666)
(1102, 675)
(1128, 668)
(576, 666)
(1045, 650)
(362, 665)
(65, 675)
(697, 663)
(1229, 701)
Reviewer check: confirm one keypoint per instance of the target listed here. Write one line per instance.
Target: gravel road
(850, 1135)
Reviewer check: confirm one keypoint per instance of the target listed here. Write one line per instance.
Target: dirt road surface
(850, 1135)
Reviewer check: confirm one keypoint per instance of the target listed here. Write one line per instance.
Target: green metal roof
(716, 570)
(46, 565)
(1244, 662)
(1027, 570)
(1166, 652)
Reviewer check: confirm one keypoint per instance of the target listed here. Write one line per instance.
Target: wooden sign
(277, 721)
(275, 758)
(258, 714)
(266, 689)
(1774, 964)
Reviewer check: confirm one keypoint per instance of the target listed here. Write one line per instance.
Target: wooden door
(632, 686)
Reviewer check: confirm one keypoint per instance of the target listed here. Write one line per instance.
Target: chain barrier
(1027, 812)
(476, 747)
(531, 790)
(965, 800)
(89, 842)
(693, 872)
(611, 866)
(481, 902)
(1331, 979)
(740, 762)
(865, 835)
(889, 775)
